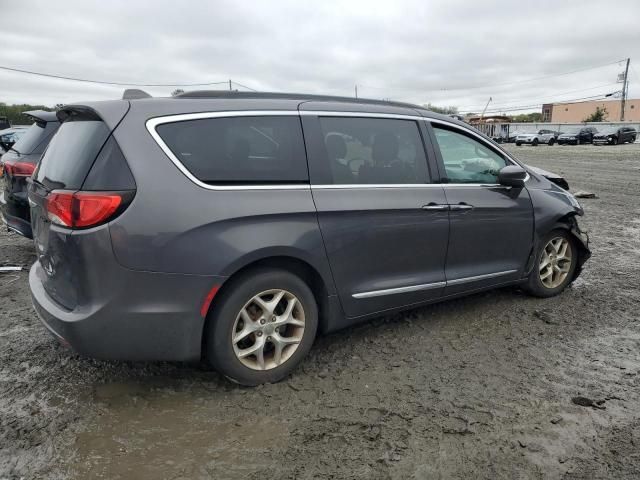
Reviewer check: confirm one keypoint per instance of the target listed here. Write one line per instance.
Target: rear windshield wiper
(11, 148)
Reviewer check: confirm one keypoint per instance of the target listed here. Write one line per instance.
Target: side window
(467, 160)
(239, 150)
(373, 151)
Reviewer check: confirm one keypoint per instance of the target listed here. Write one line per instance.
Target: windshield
(32, 141)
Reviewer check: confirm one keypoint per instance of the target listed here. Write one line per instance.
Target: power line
(100, 82)
(508, 101)
(517, 82)
(525, 107)
(244, 86)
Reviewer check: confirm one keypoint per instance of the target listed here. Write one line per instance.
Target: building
(576, 112)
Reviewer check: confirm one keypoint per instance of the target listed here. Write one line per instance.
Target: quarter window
(467, 160)
(373, 151)
(239, 150)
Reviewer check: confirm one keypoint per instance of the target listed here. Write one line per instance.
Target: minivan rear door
(64, 167)
(385, 226)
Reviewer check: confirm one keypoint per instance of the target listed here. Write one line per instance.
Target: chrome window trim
(152, 123)
(429, 286)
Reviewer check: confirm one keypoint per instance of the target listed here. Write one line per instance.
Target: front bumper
(151, 316)
(524, 140)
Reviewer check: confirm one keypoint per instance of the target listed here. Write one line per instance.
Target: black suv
(236, 226)
(17, 165)
(615, 135)
(577, 135)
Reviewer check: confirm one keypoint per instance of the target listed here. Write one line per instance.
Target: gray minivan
(236, 226)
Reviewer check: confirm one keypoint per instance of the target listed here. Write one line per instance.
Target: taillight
(19, 169)
(82, 209)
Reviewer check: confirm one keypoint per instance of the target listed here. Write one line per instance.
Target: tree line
(14, 112)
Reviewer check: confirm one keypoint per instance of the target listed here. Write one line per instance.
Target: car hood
(552, 177)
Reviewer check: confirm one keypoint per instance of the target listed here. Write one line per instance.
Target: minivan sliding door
(385, 227)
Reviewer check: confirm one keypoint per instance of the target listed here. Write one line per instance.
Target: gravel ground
(480, 387)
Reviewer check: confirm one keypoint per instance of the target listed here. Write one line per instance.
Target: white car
(542, 136)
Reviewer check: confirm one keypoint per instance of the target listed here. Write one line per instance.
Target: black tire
(552, 141)
(534, 285)
(633, 139)
(221, 321)
(518, 144)
(535, 142)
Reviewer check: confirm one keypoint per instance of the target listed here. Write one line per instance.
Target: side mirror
(512, 176)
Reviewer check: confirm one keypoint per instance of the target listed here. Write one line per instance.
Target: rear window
(71, 153)
(35, 139)
(239, 150)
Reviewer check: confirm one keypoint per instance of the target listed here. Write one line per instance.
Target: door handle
(436, 207)
(461, 206)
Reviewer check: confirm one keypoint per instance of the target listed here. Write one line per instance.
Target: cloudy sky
(444, 52)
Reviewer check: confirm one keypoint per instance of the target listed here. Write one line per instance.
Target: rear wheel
(262, 327)
(552, 140)
(556, 261)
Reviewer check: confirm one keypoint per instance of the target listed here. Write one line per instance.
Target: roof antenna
(134, 94)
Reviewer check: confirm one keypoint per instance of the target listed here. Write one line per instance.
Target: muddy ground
(475, 388)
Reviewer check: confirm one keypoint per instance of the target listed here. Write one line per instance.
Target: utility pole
(625, 85)
(230, 86)
(356, 91)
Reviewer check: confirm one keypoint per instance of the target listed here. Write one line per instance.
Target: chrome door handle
(436, 207)
(461, 206)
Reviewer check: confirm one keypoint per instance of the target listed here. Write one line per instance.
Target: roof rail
(289, 96)
(134, 94)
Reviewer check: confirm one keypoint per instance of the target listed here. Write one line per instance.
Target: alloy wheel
(268, 329)
(555, 262)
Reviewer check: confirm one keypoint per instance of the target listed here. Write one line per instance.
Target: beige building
(578, 111)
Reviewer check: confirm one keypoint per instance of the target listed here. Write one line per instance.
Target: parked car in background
(4, 123)
(18, 164)
(615, 136)
(9, 136)
(542, 136)
(577, 135)
(511, 137)
(235, 226)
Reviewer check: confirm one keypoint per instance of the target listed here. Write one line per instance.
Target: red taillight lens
(19, 169)
(81, 209)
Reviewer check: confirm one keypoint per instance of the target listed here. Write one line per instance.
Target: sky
(448, 53)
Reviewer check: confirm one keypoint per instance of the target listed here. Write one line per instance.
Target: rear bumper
(149, 316)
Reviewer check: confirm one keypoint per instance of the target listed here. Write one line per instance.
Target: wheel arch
(564, 221)
(320, 286)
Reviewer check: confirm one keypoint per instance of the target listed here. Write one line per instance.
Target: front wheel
(518, 144)
(535, 142)
(263, 327)
(555, 265)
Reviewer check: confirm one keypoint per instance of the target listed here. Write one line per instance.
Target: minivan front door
(384, 226)
(491, 229)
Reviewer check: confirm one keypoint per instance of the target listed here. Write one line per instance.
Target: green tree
(527, 117)
(600, 115)
(14, 112)
(444, 110)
